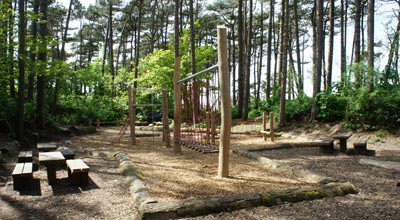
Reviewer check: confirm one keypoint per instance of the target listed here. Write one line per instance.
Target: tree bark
(32, 50)
(370, 29)
(111, 48)
(246, 93)
(42, 57)
(299, 81)
(331, 42)
(177, 89)
(343, 43)
(21, 66)
(283, 60)
(318, 54)
(269, 49)
(241, 61)
(357, 43)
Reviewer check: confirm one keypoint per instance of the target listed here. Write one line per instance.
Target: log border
(149, 208)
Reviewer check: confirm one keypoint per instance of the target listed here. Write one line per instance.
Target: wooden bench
(342, 140)
(78, 172)
(360, 146)
(25, 156)
(68, 153)
(22, 176)
(326, 146)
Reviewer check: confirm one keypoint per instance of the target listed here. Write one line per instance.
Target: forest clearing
(209, 75)
(192, 175)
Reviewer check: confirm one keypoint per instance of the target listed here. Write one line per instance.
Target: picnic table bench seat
(360, 146)
(326, 146)
(342, 137)
(25, 156)
(23, 176)
(78, 172)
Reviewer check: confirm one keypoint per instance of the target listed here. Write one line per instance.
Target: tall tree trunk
(331, 37)
(357, 43)
(299, 81)
(10, 44)
(21, 66)
(246, 94)
(233, 68)
(371, 24)
(137, 43)
(241, 59)
(257, 98)
(111, 48)
(177, 75)
(393, 48)
(32, 50)
(283, 57)
(343, 12)
(42, 57)
(269, 49)
(63, 58)
(319, 43)
(196, 100)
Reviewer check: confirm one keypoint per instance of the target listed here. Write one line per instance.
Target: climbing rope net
(200, 111)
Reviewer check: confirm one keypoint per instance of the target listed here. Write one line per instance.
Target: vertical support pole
(98, 123)
(177, 105)
(165, 118)
(213, 127)
(131, 115)
(90, 123)
(264, 121)
(226, 119)
(208, 127)
(271, 125)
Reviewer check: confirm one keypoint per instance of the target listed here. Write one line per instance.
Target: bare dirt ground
(193, 175)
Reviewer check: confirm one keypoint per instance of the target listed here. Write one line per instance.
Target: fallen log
(198, 207)
(382, 164)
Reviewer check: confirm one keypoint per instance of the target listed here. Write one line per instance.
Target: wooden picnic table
(46, 147)
(50, 160)
(342, 140)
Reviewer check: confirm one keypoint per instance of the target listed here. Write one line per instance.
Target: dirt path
(192, 175)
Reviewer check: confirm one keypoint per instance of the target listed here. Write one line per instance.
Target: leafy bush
(331, 107)
(298, 109)
(378, 109)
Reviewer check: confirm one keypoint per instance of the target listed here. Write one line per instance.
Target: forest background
(69, 63)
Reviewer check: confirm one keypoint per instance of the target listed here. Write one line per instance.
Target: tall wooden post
(177, 107)
(208, 127)
(264, 124)
(131, 115)
(98, 123)
(271, 125)
(226, 119)
(213, 127)
(165, 118)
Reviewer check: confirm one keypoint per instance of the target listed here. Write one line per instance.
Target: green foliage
(157, 70)
(298, 109)
(331, 107)
(372, 110)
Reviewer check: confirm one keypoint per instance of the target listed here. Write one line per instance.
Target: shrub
(298, 109)
(331, 107)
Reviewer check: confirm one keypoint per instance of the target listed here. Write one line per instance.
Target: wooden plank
(27, 168)
(341, 136)
(19, 167)
(77, 165)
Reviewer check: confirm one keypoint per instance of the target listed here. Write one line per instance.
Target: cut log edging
(198, 207)
(137, 186)
(133, 174)
(304, 175)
